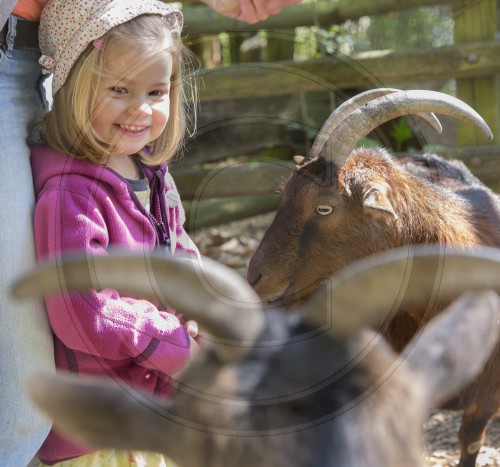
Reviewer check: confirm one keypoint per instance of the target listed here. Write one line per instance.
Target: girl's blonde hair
(67, 127)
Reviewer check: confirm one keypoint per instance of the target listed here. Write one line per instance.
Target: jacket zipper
(158, 219)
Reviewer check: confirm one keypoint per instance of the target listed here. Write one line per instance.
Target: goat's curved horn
(349, 106)
(360, 122)
(216, 297)
(373, 289)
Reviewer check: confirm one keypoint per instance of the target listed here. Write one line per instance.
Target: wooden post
(280, 45)
(207, 49)
(476, 21)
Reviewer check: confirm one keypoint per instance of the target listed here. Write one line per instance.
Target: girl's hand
(192, 328)
(250, 11)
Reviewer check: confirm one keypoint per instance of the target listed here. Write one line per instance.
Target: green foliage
(401, 132)
(315, 42)
(416, 28)
(424, 27)
(368, 143)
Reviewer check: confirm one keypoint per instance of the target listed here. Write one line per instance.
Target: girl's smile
(133, 129)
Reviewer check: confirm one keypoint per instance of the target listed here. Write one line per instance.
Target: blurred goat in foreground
(315, 386)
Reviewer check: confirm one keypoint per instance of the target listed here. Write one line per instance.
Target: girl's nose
(139, 107)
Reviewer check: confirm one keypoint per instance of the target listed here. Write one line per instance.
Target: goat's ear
(102, 413)
(454, 347)
(376, 203)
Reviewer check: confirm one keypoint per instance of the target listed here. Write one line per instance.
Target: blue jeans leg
(25, 336)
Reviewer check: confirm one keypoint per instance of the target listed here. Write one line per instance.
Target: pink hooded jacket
(83, 207)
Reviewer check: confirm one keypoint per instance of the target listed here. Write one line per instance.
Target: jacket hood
(50, 167)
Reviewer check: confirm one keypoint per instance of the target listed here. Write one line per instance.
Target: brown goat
(284, 389)
(337, 209)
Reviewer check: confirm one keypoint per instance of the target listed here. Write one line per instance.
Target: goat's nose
(253, 279)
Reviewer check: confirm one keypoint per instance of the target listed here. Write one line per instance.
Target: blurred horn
(215, 296)
(375, 288)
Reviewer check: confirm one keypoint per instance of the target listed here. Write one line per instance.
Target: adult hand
(250, 11)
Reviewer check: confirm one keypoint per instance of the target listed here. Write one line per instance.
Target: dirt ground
(233, 245)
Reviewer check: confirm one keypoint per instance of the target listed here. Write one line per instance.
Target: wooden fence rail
(201, 20)
(244, 189)
(370, 69)
(262, 178)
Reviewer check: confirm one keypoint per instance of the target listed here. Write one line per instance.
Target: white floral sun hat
(68, 26)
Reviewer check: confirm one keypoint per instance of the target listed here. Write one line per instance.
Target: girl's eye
(118, 90)
(324, 209)
(158, 93)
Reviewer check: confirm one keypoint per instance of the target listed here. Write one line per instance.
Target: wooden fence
(268, 111)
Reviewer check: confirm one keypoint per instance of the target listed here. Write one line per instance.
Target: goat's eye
(324, 209)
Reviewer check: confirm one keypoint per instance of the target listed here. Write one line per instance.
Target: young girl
(101, 181)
